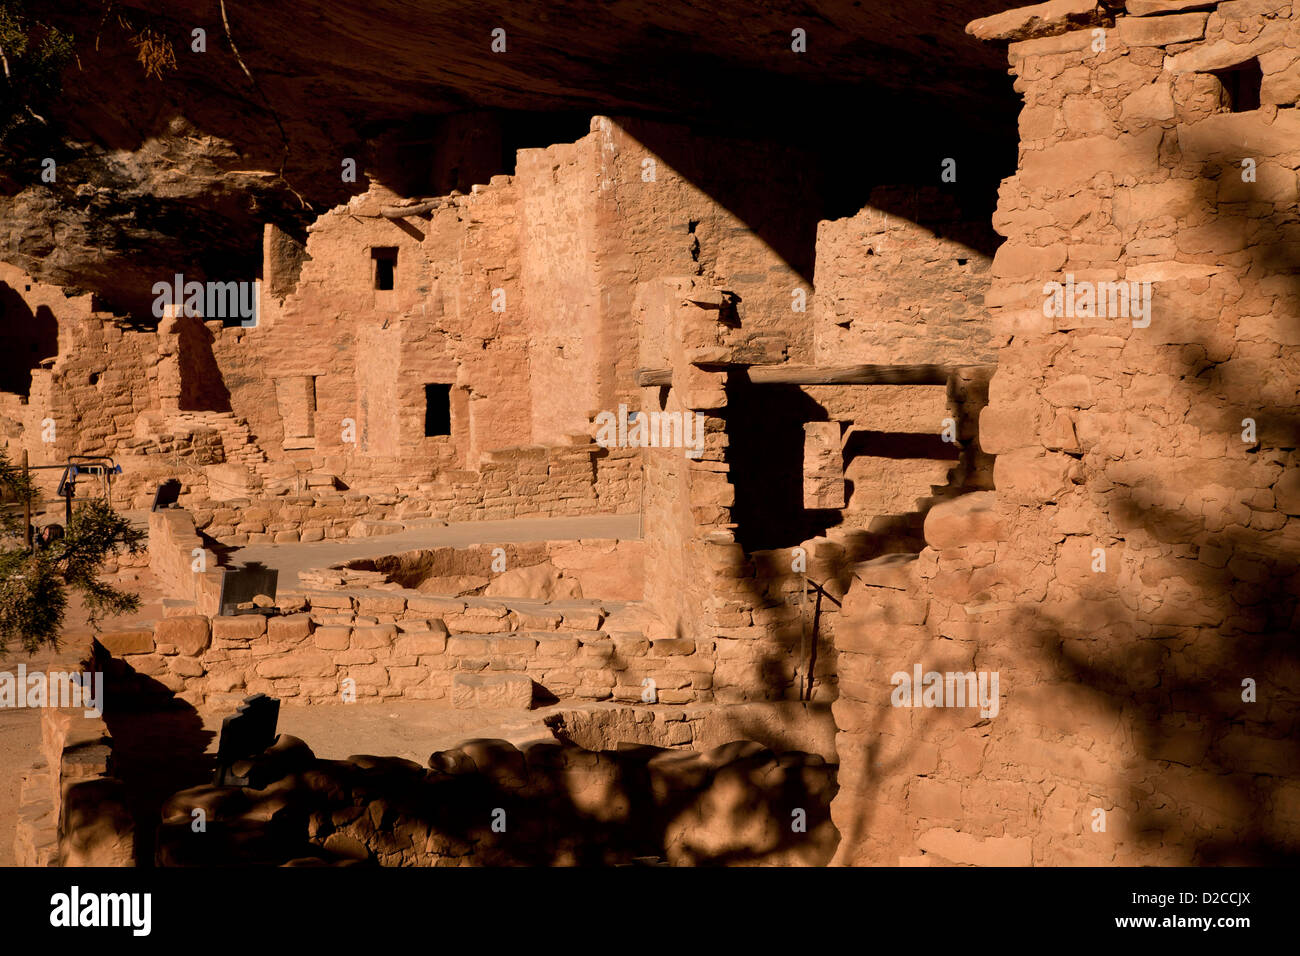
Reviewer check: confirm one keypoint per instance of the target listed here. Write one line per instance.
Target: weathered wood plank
(849, 375)
(653, 376)
(824, 375)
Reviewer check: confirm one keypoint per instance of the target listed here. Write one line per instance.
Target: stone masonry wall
(518, 297)
(1133, 578)
(904, 287)
(519, 483)
(72, 809)
(186, 569)
(469, 653)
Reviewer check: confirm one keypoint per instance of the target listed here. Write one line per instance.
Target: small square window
(437, 410)
(385, 259)
(1241, 85)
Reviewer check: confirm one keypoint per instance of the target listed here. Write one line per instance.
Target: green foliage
(34, 585)
(32, 57)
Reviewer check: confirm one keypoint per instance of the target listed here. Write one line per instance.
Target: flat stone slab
(492, 690)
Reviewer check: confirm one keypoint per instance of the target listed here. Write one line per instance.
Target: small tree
(34, 584)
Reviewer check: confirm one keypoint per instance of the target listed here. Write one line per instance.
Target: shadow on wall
(766, 451)
(1213, 779)
(1178, 672)
(781, 183)
(159, 744)
(30, 337)
(203, 389)
(765, 429)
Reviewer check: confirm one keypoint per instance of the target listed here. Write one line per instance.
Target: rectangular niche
(296, 397)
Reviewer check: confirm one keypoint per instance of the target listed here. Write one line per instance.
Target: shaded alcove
(765, 430)
(30, 337)
(203, 389)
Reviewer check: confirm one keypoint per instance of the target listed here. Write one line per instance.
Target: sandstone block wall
(517, 297)
(903, 282)
(72, 809)
(531, 482)
(472, 652)
(1136, 579)
(185, 568)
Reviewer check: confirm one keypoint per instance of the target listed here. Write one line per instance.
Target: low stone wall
(174, 547)
(72, 811)
(95, 825)
(471, 653)
(532, 481)
(488, 803)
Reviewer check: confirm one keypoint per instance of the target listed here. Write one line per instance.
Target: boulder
(541, 582)
(966, 519)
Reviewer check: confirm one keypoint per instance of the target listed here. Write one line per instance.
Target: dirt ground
(289, 559)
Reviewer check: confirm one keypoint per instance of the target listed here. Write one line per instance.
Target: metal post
(803, 634)
(811, 659)
(27, 504)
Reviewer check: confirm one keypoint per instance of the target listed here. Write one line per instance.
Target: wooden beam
(402, 212)
(823, 375)
(849, 375)
(653, 376)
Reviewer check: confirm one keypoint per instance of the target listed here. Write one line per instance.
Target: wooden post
(27, 504)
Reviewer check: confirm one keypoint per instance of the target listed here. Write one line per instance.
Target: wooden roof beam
(823, 375)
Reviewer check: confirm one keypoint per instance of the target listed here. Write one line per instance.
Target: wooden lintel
(653, 376)
(823, 375)
(849, 375)
(402, 212)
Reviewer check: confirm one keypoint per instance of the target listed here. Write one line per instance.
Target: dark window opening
(1241, 84)
(385, 258)
(437, 410)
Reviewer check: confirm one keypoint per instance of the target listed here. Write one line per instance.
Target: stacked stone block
(333, 647)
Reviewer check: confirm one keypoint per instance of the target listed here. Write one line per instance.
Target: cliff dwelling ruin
(837, 450)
